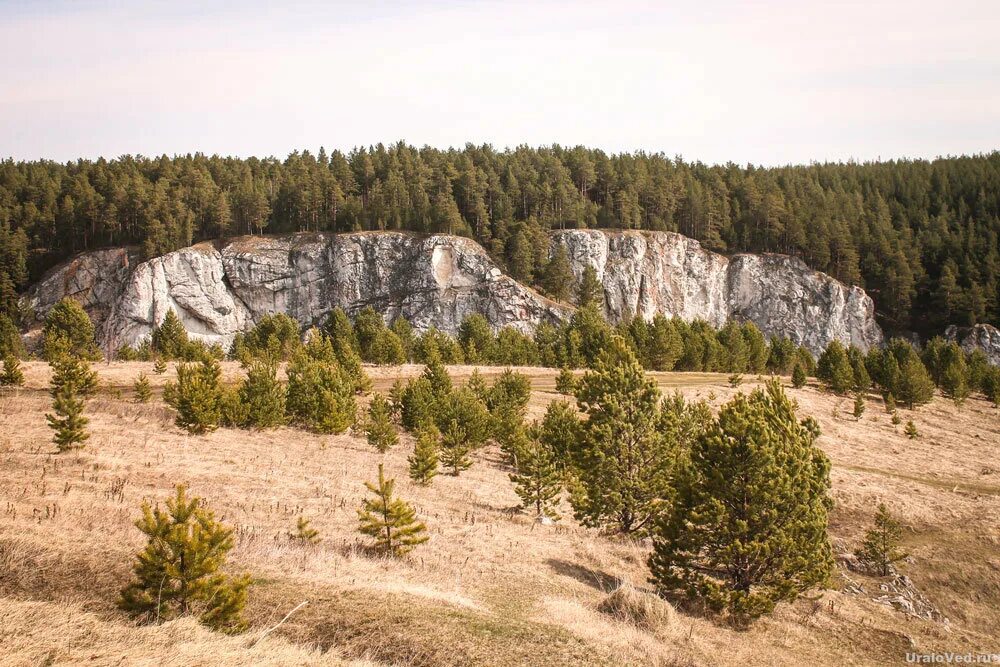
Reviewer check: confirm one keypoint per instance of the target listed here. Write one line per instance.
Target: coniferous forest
(920, 236)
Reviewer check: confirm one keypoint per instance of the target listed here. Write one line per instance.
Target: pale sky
(766, 81)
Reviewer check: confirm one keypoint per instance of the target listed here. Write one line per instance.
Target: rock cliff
(660, 272)
(220, 289)
(983, 337)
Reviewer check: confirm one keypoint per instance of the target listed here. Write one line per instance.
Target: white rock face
(983, 337)
(432, 281)
(648, 273)
(440, 280)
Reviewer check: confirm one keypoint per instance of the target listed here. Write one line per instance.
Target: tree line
(920, 236)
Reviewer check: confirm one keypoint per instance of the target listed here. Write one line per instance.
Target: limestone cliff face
(218, 290)
(659, 272)
(983, 337)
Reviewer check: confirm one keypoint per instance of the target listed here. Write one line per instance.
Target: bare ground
(491, 587)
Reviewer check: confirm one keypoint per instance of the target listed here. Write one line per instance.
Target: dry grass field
(492, 587)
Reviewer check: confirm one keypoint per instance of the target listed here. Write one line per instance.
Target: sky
(749, 81)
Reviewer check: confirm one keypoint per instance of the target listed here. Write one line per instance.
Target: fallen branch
(278, 624)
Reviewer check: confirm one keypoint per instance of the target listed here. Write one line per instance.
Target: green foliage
(10, 338)
(391, 521)
(880, 548)
(898, 370)
(320, 395)
(798, 376)
(991, 385)
(304, 533)
(404, 332)
(781, 357)
(455, 448)
(141, 389)
(560, 429)
(69, 331)
(748, 527)
(180, 570)
(12, 375)
(261, 396)
(557, 277)
(68, 422)
(75, 372)
(506, 402)
(387, 349)
(834, 368)
(169, 339)
(274, 338)
(340, 330)
(735, 380)
(896, 419)
(417, 403)
(565, 381)
(463, 407)
(424, 460)
(477, 339)
(623, 459)
(590, 291)
(859, 406)
(197, 396)
(537, 479)
(159, 366)
(861, 380)
(911, 430)
(379, 429)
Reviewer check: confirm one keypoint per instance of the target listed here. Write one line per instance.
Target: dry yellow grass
(491, 587)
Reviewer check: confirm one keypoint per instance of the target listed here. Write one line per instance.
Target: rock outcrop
(983, 337)
(218, 290)
(660, 272)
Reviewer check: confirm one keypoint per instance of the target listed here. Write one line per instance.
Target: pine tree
(537, 479)
(565, 381)
(305, 533)
(455, 448)
(911, 430)
(141, 389)
(68, 421)
(159, 366)
(880, 548)
(590, 292)
(262, 396)
(179, 571)
(896, 419)
(72, 370)
(624, 462)
(10, 338)
(735, 380)
(69, 331)
(391, 521)
(834, 368)
(197, 396)
(748, 525)
(890, 404)
(798, 376)
(320, 396)
(12, 375)
(170, 339)
(914, 386)
(954, 380)
(379, 428)
(557, 279)
(859, 406)
(424, 461)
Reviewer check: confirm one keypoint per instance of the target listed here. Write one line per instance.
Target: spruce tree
(537, 479)
(624, 462)
(179, 571)
(880, 548)
(197, 396)
(424, 460)
(379, 429)
(68, 422)
(798, 376)
(12, 375)
(305, 533)
(141, 389)
(159, 366)
(748, 525)
(859, 406)
(261, 396)
(391, 521)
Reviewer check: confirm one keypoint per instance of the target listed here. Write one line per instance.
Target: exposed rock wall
(660, 272)
(218, 290)
(983, 337)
